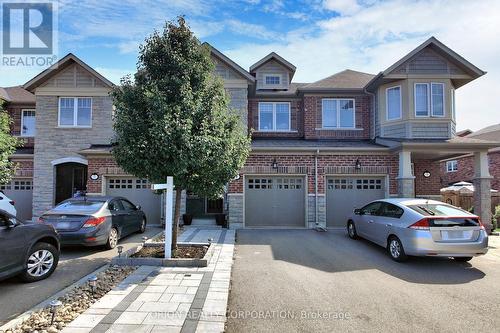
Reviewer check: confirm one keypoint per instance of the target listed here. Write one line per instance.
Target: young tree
(174, 118)
(8, 145)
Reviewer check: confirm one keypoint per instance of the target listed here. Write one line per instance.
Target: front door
(70, 178)
(214, 206)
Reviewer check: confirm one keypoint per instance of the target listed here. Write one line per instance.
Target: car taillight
(422, 224)
(94, 221)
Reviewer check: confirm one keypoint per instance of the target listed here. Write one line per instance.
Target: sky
(320, 37)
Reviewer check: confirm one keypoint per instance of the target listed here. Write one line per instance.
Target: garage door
(344, 194)
(274, 201)
(138, 191)
(21, 192)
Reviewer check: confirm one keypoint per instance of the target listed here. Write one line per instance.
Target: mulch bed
(185, 252)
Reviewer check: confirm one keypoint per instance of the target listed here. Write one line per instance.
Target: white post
(169, 217)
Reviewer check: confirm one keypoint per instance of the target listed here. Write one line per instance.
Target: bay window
(338, 113)
(393, 97)
(429, 99)
(274, 116)
(75, 112)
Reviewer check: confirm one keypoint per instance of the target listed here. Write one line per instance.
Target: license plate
(63, 225)
(456, 234)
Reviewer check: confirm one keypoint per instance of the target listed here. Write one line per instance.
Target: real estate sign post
(168, 217)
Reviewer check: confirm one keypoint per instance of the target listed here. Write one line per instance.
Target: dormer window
(272, 80)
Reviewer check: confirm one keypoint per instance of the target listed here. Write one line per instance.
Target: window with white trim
(272, 80)
(429, 99)
(28, 123)
(451, 166)
(338, 113)
(75, 111)
(274, 116)
(393, 97)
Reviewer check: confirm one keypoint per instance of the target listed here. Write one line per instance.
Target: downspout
(318, 227)
(374, 110)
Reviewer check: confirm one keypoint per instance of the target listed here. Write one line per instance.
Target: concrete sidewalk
(165, 299)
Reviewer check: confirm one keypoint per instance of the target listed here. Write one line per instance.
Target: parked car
(7, 205)
(420, 227)
(27, 249)
(95, 220)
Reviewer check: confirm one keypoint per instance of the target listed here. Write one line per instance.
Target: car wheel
(142, 229)
(396, 250)
(42, 261)
(112, 239)
(351, 230)
(462, 259)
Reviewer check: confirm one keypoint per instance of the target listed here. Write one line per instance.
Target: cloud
(342, 6)
(380, 33)
(251, 30)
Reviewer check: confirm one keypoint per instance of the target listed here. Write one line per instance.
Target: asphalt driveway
(309, 281)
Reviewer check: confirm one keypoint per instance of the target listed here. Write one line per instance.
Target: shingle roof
(490, 133)
(17, 95)
(347, 79)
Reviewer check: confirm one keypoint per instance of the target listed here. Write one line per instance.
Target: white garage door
(21, 192)
(274, 201)
(138, 191)
(344, 194)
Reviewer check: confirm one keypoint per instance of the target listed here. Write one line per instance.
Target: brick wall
(430, 185)
(390, 161)
(95, 165)
(296, 118)
(24, 168)
(313, 118)
(465, 170)
(14, 111)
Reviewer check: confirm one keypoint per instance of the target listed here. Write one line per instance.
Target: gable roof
(275, 56)
(17, 94)
(432, 42)
(54, 69)
(230, 63)
(344, 80)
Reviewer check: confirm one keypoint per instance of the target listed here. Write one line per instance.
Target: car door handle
(370, 221)
(388, 225)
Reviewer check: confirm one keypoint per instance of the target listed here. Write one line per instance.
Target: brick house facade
(319, 149)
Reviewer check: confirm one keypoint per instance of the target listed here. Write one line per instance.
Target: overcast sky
(319, 37)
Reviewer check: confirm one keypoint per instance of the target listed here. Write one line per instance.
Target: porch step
(203, 222)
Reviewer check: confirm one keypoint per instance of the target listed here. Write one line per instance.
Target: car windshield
(438, 210)
(79, 206)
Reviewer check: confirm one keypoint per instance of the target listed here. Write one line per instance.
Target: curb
(21, 318)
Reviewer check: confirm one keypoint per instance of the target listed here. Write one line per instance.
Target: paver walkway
(168, 299)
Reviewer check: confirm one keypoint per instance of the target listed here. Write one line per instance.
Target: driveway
(74, 263)
(309, 281)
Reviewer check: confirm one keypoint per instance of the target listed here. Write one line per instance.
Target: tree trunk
(177, 214)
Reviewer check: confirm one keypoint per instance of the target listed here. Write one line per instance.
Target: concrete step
(203, 222)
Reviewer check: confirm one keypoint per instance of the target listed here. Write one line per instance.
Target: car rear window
(438, 210)
(79, 206)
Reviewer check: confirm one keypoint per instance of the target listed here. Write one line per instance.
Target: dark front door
(214, 206)
(70, 178)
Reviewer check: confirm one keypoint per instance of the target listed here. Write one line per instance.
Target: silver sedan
(419, 227)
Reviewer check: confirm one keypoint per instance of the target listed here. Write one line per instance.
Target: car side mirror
(358, 212)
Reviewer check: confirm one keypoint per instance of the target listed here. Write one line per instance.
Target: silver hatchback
(419, 227)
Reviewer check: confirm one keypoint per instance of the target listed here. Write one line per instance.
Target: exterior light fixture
(275, 164)
(120, 250)
(144, 240)
(54, 305)
(357, 165)
(210, 240)
(93, 283)
(427, 174)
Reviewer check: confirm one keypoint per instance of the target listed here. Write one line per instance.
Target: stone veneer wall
(235, 210)
(53, 142)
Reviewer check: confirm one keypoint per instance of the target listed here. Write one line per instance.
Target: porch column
(406, 180)
(482, 189)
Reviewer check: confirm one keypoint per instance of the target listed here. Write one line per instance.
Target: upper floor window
(274, 116)
(28, 123)
(429, 99)
(338, 113)
(75, 112)
(272, 79)
(452, 166)
(393, 96)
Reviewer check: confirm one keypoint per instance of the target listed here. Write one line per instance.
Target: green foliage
(8, 145)
(173, 118)
(496, 217)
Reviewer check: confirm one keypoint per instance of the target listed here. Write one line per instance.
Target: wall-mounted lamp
(357, 165)
(275, 164)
